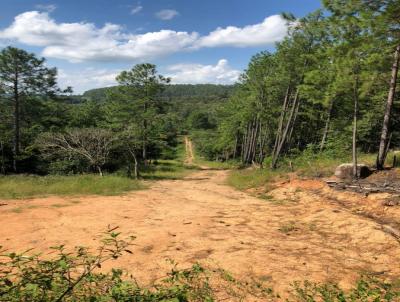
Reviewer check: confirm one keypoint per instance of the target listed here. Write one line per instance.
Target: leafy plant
(76, 276)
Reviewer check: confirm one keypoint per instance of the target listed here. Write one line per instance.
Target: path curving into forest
(296, 236)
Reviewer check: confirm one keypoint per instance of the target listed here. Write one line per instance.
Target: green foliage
(75, 276)
(21, 186)
(176, 93)
(28, 104)
(252, 178)
(367, 289)
(308, 163)
(166, 169)
(304, 93)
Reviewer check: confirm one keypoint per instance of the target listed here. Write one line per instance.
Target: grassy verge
(22, 186)
(217, 165)
(26, 186)
(252, 178)
(306, 165)
(167, 169)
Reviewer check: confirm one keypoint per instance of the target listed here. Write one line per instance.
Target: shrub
(74, 276)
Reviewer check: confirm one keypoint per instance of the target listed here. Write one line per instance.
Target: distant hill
(178, 92)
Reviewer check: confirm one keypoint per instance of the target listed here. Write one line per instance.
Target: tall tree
(385, 19)
(141, 85)
(23, 75)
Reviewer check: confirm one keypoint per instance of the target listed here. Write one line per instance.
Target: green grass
(22, 186)
(307, 165)
(172, 169)
(167, 169)
(215, 165)
(287, 227)
(244, 179)
(321, 165)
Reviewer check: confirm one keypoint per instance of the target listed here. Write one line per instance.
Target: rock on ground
(345, 171)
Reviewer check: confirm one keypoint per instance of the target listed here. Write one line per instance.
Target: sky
(91, 41)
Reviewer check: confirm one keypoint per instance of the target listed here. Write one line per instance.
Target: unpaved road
(295, 236)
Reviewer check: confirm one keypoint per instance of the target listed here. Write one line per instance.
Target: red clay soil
(302, 230)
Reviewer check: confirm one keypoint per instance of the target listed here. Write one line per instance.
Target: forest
(329, 87)
(150, 174)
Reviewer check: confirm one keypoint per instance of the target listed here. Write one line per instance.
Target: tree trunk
(136, 170)
(242, 146)
(3, 167)
(388, 145)
(100, 171)
(355, 115)
(247, 141)
(136, 165)
(236, 145)
(327, 125)
(16, 141)
(253, 144)
(282, 117)
(144, 149)
(289, 137)
(380, 162)
(285, 132)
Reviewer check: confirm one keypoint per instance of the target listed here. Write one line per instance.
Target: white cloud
(86, 79)
(167, 14)
(221, 73)
(85, 42)
(136, 9)
(271, 30)
(46, 7)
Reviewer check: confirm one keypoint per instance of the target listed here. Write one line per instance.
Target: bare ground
(299, 232)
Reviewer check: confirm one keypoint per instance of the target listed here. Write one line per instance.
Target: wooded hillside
(329, 87)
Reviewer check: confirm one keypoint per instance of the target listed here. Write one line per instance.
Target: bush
(74, 276)
(366, 289)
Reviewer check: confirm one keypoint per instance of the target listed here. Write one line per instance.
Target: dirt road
(294, 236)
(189, 150)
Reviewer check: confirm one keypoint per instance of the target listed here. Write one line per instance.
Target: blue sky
(90, 41)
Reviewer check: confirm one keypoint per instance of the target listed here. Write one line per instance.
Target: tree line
(125, 128)
(330, 86)
(43, 129)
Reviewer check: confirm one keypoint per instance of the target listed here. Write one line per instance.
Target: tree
(23, 75)
(385, 20)
(370, 30)
(92, 144)
(384, 142)
(140, 86)
(294, 54)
